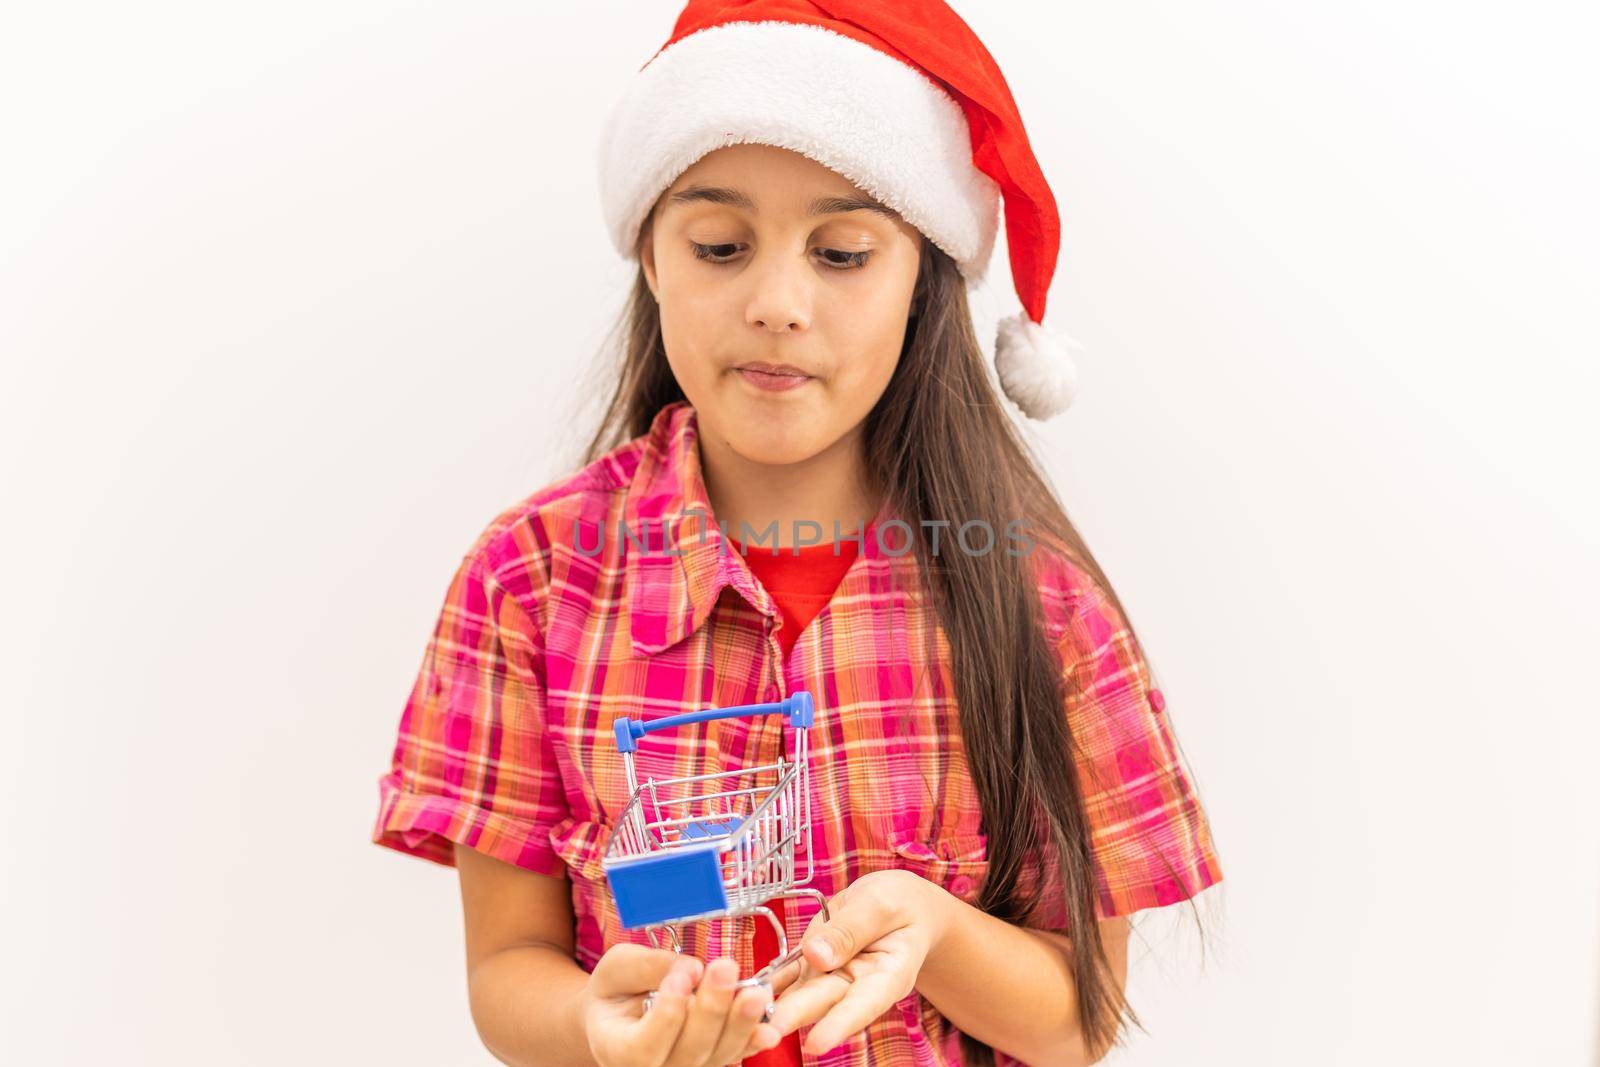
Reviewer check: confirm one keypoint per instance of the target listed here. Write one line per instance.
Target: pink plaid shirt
(505, 744)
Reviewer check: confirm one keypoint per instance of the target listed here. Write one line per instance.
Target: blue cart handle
(797, 706)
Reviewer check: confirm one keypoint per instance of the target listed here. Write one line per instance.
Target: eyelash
(853, 261)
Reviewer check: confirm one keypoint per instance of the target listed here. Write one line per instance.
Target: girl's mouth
(772, 378)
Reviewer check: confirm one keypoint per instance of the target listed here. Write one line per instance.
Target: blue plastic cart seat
(665, 886)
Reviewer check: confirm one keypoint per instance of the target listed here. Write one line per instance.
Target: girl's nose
(780, 298)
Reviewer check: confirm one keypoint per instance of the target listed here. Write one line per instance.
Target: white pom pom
(1036, 367)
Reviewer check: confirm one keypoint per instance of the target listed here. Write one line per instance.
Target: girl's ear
(647, 258)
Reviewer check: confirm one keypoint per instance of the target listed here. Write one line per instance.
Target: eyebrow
(822, 205)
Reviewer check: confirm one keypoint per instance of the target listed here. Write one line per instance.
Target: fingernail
(677, 983)
(825, 953)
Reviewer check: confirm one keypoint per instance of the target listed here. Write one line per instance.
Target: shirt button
(961, 885)
(1157, 701)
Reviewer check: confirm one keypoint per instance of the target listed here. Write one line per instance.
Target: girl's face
(761, 256)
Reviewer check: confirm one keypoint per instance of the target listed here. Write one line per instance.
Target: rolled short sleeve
(1150, 841)
(473, 762)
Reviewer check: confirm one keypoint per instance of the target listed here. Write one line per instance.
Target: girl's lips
(770, 381)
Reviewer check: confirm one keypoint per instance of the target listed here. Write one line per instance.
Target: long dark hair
(941, 446)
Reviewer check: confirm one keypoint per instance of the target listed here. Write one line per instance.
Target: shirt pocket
(955, 860)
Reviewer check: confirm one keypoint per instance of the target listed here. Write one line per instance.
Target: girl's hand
(856, 966)
(694, 1021)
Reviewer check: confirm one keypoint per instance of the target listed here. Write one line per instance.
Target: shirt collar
(674, 552)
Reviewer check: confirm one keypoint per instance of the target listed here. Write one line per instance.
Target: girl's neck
(830, 487)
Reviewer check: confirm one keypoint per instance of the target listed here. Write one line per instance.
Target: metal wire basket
(714, 846)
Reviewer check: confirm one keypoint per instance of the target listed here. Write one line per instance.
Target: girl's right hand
(695, 1020)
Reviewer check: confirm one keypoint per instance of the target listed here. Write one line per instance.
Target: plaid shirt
(506, 744)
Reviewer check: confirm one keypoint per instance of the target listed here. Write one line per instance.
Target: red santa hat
(900, 98)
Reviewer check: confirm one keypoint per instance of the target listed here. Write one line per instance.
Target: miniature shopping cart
(714, 846)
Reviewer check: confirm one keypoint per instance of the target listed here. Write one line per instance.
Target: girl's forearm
(527, 1006)
(1008, 986)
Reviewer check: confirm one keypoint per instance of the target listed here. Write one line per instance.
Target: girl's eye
(725, 252)
(851, 260)
(715, 253)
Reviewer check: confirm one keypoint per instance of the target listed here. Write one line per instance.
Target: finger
(628, 970)
(708, 1013)
(865, 1000)
(808, 1000)
(763, 1037)
(647, 1039)
(861, 921)
(806, 968)
(785, 976)
(743, 1018)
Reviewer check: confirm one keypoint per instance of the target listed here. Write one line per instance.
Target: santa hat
(900, 98)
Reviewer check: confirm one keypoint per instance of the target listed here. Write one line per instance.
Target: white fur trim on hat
(1036, 367)
(800, 87)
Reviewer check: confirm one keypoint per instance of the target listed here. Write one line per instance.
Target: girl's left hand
(856, 966)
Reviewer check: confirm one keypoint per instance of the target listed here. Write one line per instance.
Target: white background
(294, 297)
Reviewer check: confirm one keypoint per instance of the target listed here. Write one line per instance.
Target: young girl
(809, 189)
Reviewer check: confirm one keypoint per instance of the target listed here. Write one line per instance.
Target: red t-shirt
(802, 583)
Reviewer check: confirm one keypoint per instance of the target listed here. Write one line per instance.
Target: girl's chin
(774, 435)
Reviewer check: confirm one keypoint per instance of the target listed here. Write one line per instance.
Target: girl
(808, 189)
